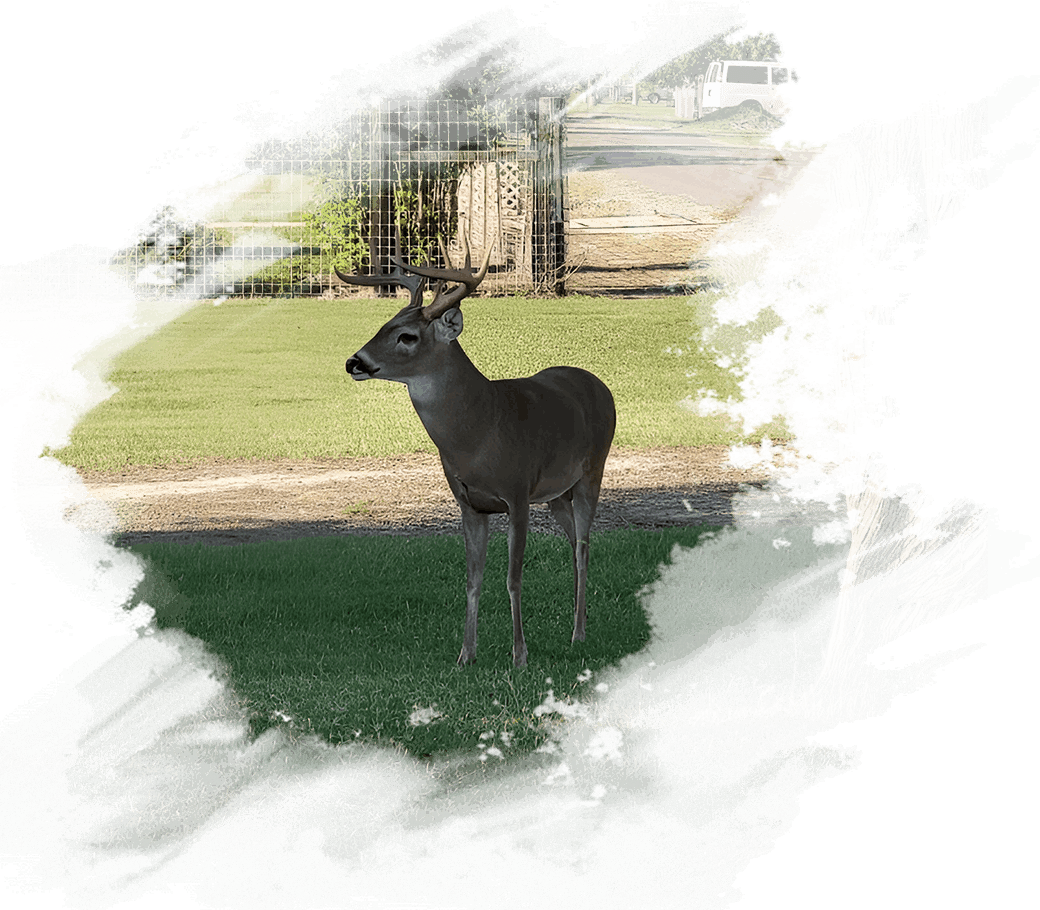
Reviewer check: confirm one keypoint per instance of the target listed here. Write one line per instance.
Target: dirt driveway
(237, 502)
(722, 170)
(703, 245)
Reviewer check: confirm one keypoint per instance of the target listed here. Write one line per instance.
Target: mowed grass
(718, 125)
(242, 207)
(265, 378)
(273, 197)
(284, 725)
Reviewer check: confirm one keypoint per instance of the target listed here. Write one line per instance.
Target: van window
(749, 75)
(713, 73)
(779, 75)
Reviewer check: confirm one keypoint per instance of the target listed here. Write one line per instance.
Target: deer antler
(415, 282)
(466, 279)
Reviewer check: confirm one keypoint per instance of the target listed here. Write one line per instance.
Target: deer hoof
(520, 660)
(578, 636)
(466, 658)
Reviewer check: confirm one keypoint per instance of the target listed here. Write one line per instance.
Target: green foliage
(681, 42)
(425, 209)
(335, 130)
(339, 228)
(756, 47)
(490, 56)
(169, 254)
(167, 239)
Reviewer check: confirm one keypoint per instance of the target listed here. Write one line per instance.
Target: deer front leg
(475, 531)
(519, 514)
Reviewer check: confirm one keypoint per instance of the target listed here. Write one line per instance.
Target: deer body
(503, 444)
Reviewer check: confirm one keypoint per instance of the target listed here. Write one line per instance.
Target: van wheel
(654, 98)
(750, 104)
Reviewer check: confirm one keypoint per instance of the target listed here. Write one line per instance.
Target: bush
(338, 228)
(170, 250)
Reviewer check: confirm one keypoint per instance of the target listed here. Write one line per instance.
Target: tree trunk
(903, 570)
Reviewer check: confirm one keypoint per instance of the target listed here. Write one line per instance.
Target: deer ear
(448, 326)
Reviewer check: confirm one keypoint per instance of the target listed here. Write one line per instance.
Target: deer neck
(454, 402)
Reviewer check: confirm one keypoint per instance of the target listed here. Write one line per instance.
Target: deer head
(413, 342)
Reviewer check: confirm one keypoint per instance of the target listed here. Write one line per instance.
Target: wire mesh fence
(399, 176)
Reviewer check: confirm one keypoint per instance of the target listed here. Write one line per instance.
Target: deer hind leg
(519, 515)
(584, 496)
(562, 510)
(475, 531)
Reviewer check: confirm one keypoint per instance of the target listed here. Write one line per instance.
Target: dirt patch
(639, 262)
(238, 502)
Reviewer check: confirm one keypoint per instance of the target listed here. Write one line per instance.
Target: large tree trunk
(903, 570)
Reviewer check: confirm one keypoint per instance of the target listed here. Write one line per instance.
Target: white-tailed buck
(504, 443)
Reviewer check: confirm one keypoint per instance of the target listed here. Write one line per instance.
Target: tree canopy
(490, 56)
(681, 40)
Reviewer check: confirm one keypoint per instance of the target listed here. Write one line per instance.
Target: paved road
(782, 186)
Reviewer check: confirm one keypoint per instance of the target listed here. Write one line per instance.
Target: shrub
(338, 228)
(171, 249)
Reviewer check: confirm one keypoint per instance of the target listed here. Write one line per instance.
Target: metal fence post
(549, 195)
(379, 190)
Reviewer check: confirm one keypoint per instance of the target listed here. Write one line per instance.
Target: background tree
(490, 57)
(682, 39)
(762, 46)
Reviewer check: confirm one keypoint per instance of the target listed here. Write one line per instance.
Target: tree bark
(903, 570)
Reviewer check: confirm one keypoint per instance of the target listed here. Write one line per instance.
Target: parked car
(728, 83)
(661, 93)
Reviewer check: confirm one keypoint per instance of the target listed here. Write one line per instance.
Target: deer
(504, 444)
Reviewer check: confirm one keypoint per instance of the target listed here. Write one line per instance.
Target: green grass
(256, 199)
(285, 724)
(279, 197)
(265, 378)
(662, 116)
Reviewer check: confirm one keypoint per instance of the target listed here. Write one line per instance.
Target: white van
(731, 82)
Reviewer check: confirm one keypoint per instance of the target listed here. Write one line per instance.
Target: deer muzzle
(359, 369)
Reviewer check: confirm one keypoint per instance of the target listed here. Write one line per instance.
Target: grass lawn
(284, 725)
(662, 116)
(154, 382)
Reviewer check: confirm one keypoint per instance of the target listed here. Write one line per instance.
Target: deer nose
(359, 369)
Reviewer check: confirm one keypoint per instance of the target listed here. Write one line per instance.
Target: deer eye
(407, 338)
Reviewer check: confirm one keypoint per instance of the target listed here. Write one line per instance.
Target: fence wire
(398, 176)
